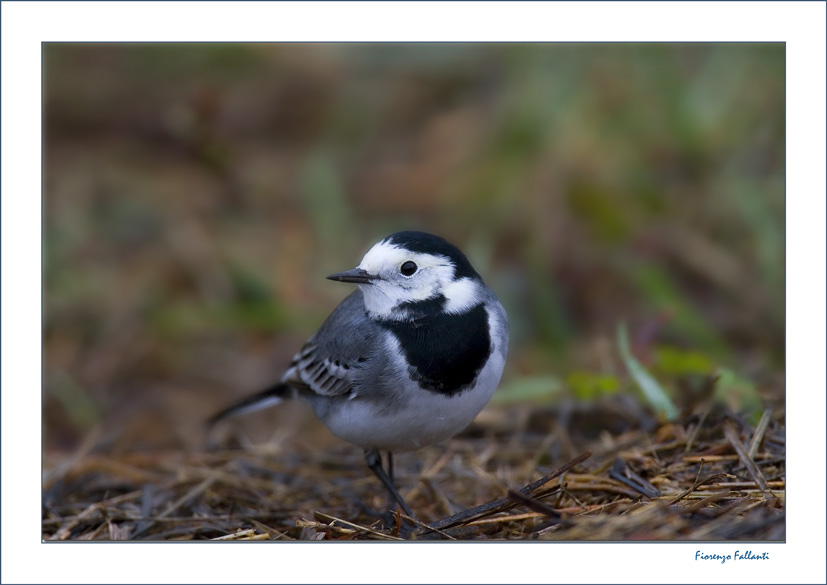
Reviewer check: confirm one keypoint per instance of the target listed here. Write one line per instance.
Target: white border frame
(26, 24)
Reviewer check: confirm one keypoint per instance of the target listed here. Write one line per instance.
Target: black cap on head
(425, 243)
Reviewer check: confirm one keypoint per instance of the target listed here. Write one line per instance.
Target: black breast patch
(445, 352)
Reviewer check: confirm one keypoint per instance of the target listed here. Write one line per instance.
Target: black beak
(356, 275)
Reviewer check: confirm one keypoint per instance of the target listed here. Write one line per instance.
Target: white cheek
(462, 295)
(379, 299)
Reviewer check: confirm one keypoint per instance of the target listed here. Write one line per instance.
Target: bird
(407, 360)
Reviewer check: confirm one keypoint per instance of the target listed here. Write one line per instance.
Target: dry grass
(710, 476)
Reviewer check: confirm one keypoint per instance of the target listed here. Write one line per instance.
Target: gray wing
(332, 362)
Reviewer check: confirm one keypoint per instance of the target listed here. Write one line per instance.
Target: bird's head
(409, 273)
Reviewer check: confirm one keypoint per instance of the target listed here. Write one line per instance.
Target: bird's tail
(264, 399)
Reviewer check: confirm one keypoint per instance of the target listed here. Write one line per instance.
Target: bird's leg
(391, 497)
(374, 461)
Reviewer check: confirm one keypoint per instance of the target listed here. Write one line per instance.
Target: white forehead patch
(384, 256)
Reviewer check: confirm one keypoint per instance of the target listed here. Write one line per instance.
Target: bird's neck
(420, 310)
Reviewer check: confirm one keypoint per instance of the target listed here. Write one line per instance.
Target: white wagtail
(407, 360)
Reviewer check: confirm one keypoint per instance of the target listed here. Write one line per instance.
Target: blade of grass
(652, 390)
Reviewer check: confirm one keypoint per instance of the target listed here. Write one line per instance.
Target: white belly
(424, 419)
(429, 419)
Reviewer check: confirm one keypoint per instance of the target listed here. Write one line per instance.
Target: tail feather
(264, 399)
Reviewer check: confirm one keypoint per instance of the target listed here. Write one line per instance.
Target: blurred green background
(195, 196)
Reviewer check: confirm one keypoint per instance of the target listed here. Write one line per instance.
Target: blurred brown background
(197, 194)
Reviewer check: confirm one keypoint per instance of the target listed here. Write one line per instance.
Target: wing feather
(333, 361)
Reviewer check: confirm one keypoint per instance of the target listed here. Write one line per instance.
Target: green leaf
(528, 389)
(678, 362)
(588, 386)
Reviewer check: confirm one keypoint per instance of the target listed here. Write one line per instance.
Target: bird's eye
(407, 268)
